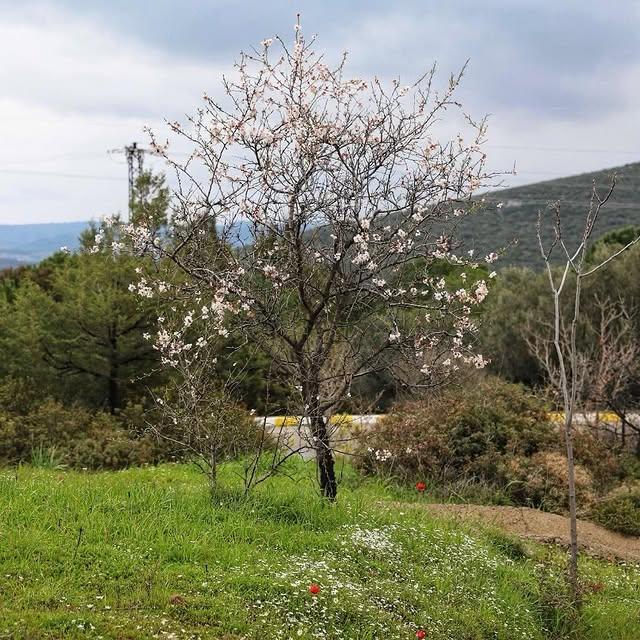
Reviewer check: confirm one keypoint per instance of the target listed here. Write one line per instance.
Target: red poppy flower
(420, 634)
(421, 486)
(314, 589)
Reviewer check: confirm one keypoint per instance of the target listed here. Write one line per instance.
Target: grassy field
(146, 553)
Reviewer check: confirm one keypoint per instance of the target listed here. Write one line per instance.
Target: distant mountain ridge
(509, 222)
(511, 216)
(29, 243)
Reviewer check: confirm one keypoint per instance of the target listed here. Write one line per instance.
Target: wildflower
(314, 589)
(421, 487)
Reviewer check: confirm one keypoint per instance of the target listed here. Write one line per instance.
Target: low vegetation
(49, 433)
(492, 441)
(143, 553)
(620, 510)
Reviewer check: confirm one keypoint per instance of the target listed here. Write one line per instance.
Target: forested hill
(513, 225)
(516, 219)
(29, 243)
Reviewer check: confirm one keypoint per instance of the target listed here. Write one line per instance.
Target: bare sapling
(564, 363)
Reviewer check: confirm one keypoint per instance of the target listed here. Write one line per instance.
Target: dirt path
(533, 524)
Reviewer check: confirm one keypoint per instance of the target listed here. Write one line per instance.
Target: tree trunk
(570, 396)
(324, 457)
(573, 522)
(212, 473)
(114, 372)
(114, 392)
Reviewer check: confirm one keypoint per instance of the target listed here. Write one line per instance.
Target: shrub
(216, 428)
(47, 425)
(46, 433)
(594, 452)
(490, 433)
(78, 437)
(82, 438)
(492, 438)
(620, 511)
(10, 447)
(541, 481)
(107, 445)
(471, 432)
(238, 431)
(18, 395)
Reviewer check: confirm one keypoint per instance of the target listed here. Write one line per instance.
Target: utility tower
(135, 165)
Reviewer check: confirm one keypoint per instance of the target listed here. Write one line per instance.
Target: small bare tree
(308, 220)
(607, 358)
(201, 420)
(614, 366)
(564, 365)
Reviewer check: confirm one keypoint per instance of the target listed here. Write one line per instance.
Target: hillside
(513, 226)
(516, 220)
(29, 243)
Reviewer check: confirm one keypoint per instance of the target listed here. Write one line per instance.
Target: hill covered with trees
(510, 219)
(512, 225)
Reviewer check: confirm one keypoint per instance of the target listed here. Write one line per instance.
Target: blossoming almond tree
(308, 219)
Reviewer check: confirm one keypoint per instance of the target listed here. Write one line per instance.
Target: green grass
(146, 553)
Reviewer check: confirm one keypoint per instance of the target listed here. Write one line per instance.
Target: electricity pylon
(135, 164)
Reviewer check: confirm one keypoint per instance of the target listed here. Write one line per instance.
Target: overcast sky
(560, 78)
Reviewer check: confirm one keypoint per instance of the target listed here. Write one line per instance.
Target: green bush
(216, 427)
(606, 463)
(620, 511)
(488, 433)
(107, 445)
(18, 395)
(472, 431)
(79, 437)
(47, 433)
(46, 425)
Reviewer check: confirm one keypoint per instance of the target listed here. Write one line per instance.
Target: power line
(21, 162)
(563, 149)
(55, 174)
(520, 201)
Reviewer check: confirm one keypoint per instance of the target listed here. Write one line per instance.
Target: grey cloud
(533, 55)
(87, 75)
